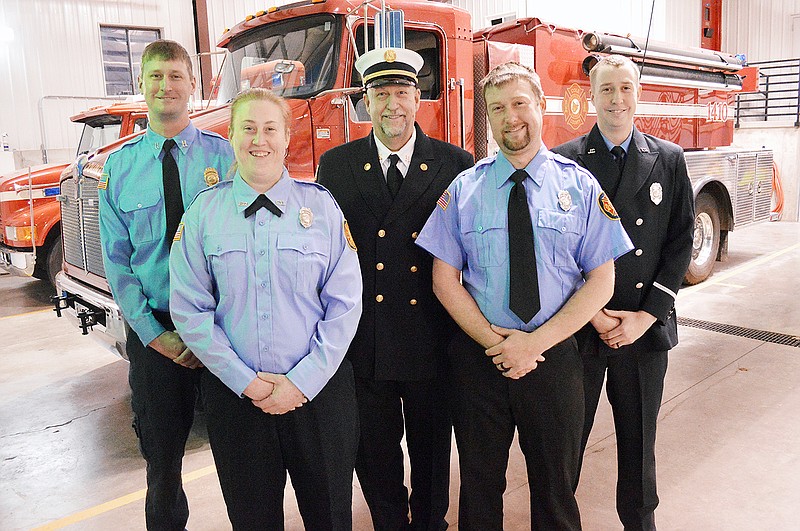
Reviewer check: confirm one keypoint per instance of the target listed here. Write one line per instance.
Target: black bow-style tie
(262, 201)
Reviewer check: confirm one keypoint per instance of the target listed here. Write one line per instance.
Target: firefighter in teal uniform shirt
(135, 203)
(266, 290)
(510, 372)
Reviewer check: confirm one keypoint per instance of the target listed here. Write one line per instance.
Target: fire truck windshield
(296, 58)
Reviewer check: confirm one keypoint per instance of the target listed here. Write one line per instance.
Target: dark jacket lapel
(638, 167)
(596, 158)
(371, 183)
(421, 172)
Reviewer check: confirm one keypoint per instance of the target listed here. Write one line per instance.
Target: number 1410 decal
(717, 112)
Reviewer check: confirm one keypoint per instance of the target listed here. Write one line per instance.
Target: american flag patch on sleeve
(444, 200)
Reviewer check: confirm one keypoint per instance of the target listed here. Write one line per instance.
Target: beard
(518, 144)
(393, 130)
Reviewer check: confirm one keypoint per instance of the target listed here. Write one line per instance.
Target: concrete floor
(728, 455)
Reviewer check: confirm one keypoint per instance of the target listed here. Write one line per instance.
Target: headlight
(19, 234)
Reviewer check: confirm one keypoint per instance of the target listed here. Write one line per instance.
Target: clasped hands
(516, 354)
(274, 393)
(618, 328)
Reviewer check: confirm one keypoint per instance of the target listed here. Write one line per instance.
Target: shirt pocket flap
(219, 244)
(559, 221)
(303, 244)
(486, 222)
(144, 198)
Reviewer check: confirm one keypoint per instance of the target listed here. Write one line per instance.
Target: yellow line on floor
(721, 278)
(27, 313)
(91, 512)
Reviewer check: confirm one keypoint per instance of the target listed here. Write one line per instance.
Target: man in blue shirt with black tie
(524, 246)
(143, 190)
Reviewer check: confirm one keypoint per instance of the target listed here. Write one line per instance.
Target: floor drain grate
(750, 333)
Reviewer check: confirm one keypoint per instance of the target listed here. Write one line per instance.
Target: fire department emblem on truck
(575, 106)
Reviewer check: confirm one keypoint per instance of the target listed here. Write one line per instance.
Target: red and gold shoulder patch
(349, 237)
(607, 207)
(444, 200)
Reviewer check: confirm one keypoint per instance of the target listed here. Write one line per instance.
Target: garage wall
(762, 29)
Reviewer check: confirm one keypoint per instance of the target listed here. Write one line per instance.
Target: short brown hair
(616, 61)
(166, 51)
(507, 72)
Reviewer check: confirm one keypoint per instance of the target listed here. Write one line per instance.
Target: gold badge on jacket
(656, 193)
(211, 176)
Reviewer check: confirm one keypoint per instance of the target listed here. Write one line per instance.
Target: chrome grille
(71, 223)
(91, 227)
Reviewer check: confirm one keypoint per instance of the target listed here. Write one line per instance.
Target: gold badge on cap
(306, 217)
(211, 176)
(656, 193)
(367, 166)
(564, 200)
(349, 237)
(423, 167)
(390, 56)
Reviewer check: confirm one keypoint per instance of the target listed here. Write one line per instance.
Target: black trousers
(545, 406)
(386, 409)
(315, 443)
(162, 398)
(635, 386)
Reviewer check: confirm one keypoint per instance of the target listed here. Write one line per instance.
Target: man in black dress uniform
(387, 184)
(628, 340)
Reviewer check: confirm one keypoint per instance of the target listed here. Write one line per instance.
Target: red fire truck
(30, 218)
(306, 53)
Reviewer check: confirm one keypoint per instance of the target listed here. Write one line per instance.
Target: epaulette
(132, 141)
(561, 159)
(320, 188)
(485, 161)
(219, 186)
(212, 133)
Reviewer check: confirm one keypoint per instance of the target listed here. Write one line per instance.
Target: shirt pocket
(486, 239)
(302, 260)
(560, 234)
(227, 260)
(145, 215)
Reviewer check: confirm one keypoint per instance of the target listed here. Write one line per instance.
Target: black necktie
(523, 297)
(262, 201)
(619, 157)
(393, 176)
(173, 200)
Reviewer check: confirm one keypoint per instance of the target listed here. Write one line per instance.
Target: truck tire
(705, 246)
(55, 259)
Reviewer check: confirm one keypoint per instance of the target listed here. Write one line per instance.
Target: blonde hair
(261, 94)
(507, 72)
(615, 61)
(257, 94)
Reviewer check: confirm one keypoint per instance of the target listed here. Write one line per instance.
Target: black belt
(165, 319)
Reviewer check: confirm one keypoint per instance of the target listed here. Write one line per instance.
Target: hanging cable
(647, 40)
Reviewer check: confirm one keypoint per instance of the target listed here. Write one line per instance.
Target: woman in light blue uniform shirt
(266, 291)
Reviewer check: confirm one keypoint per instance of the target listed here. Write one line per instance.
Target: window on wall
(122, 56)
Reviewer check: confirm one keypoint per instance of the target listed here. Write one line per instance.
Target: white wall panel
(56, 52)
(762, 29)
